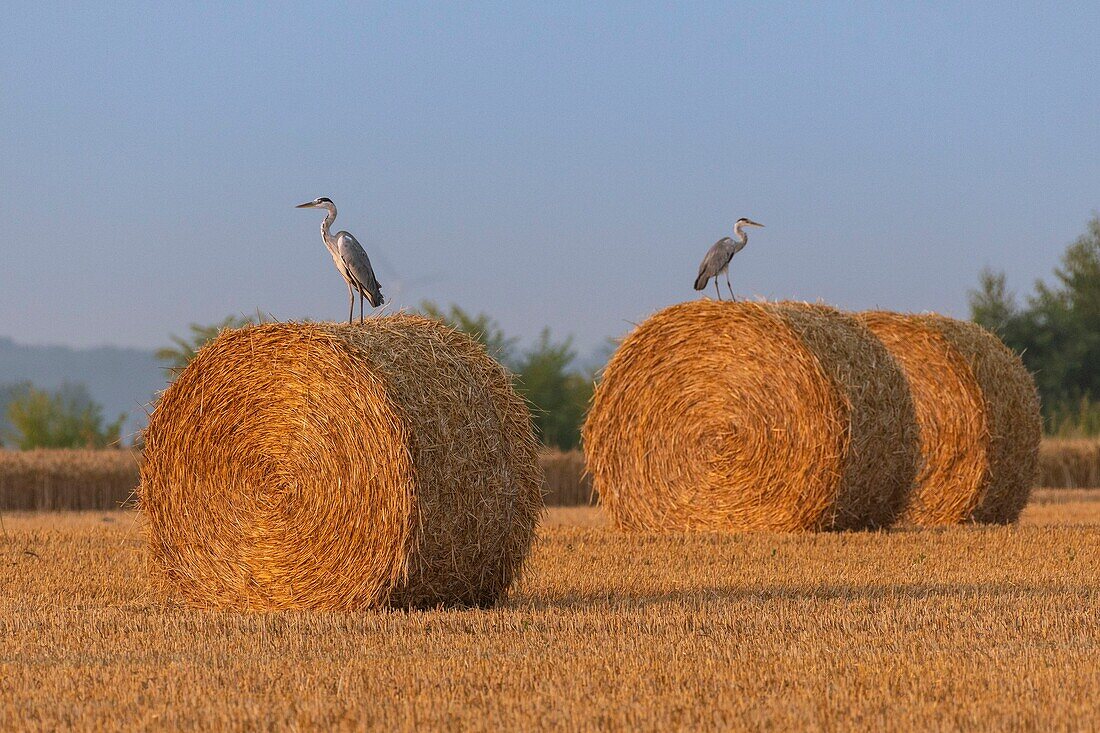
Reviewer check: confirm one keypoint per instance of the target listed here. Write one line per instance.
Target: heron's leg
(732, 296)
(351, 304)
(716, 290)
(360, 309)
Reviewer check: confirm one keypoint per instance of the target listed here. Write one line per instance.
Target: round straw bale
(324, 466)
(734, 415)
(978, 412)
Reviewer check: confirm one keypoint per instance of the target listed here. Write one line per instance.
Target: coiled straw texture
(978, 412)
(327, 466)
(735, 416)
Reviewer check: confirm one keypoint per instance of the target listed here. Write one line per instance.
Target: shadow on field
(819, 593)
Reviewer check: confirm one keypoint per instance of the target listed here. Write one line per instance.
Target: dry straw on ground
(340, 467)
(978, 413)
(909, 631)
(720, 415)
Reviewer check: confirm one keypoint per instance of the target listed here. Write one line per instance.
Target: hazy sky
(552, 164)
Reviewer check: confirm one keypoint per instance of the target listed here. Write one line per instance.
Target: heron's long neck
(739, 233)
(326, 226)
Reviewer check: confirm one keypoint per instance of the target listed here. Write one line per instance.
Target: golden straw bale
(978, 412)
(730, 416)
(324, 466)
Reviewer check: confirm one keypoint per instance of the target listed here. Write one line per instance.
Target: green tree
(991, 304)
(8, 394)
(555, 390)
(557, 394)
(184, 348)
(1069, 311)
(481, 327)
(1057, 332)
(65, 418)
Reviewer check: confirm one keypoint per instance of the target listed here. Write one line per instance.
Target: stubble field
(969, 627)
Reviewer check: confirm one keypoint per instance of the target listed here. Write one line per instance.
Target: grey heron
(350, 258)
(717, 260)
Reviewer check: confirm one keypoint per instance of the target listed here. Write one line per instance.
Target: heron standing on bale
(350, 258)
(717, 261)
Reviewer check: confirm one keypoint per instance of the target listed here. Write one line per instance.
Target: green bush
(556, 391)
(65, 418)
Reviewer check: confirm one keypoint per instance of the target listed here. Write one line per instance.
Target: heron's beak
(306, 205)
(756, 224)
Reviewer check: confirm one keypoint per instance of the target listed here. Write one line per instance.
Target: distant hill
(122, 380)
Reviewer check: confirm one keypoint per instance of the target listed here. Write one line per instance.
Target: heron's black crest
(324, 200)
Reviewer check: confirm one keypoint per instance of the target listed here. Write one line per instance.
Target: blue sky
(553, 164)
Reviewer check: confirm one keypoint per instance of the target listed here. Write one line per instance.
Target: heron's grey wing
(717, 257)
(358, 265)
